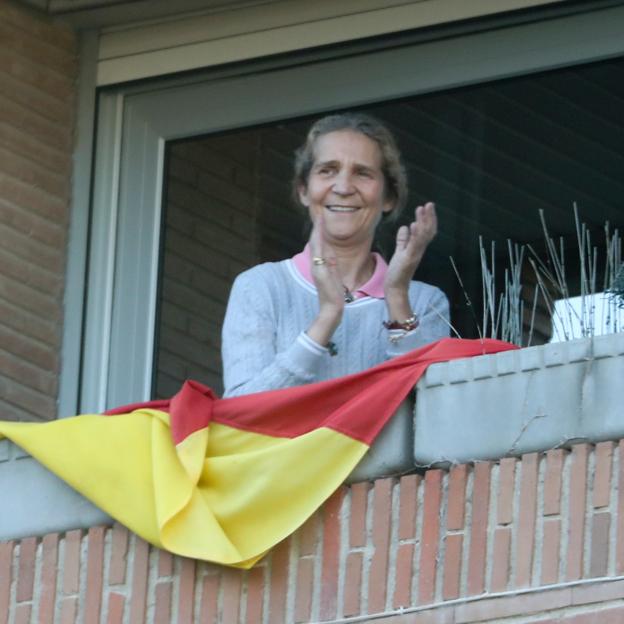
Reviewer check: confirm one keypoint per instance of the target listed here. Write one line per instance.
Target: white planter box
(521, 401)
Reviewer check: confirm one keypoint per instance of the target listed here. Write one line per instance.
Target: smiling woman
(336, 308)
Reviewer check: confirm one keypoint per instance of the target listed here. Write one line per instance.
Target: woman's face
(346, 186)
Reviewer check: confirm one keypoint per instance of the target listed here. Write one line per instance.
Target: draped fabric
(224, 480)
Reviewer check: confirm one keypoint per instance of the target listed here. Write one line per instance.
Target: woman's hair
(395, 179)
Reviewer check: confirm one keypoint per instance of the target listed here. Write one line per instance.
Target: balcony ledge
(479, 408)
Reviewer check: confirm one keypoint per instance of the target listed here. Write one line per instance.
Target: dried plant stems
(503, 313)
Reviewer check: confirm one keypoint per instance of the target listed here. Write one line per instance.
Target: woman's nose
(343, 184)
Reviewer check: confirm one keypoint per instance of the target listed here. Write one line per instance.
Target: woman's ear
(389, 205)
(303, 195)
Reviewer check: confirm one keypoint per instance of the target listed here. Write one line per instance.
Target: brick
(602, 474)
(506, 489)
(551, 550)
(165, 563)
(22, 247)
(162, 603)
(69, 610)
(408, 502)
(24, 170)
(382, 519)
(6, 561)
(140, 573)
(28, 46)
(43, 381)
(403, 576)
(478, 529)
(28, 324)
(118, 556)
(35, 104)
(619, 544)
(47, 581)
(40, 406)
(357, 514)
(509, 606)
(54, 33)
(33, 352)
(26, 299)
(255, 595)
(552, 481)
(209, 603)
(231, 582)
(615, 615)
(331, 550)
(576, 511)
(305, 588)
(279, 582)
(186, 590)
(27, 145)
(38, 202)
(309, 535)
(71, 562)
(439, 615)
(47, 131)
(599, 555)
(525, 537)
(95, 569)
(456, 497)
(26, 569)
(116, 607)
(598, 592)
(452, 566)
(22, 614)
(39, 229)
(430, 536)
(353, 584)
(501, 559)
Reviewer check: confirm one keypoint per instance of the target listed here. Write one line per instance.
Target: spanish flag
(224, 480)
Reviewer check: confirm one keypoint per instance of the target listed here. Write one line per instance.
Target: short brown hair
(395, 178)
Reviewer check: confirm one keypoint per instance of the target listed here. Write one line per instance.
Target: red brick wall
(539, 538)
(37, 76)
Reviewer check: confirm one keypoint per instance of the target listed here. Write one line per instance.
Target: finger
(316, 237)
(402, 237)
(426, 220)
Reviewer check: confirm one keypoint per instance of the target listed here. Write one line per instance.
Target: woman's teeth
(342, 208)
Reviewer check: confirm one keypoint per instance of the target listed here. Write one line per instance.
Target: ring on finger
(318, 260)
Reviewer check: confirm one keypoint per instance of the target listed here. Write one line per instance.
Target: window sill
(36, 502)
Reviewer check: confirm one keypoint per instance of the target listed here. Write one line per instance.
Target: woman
(336, 308)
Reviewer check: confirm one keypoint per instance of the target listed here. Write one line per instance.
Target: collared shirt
(372, 288)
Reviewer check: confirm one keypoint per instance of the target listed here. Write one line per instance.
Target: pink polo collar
(372, 288)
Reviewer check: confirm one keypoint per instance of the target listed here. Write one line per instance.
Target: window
(488, 154)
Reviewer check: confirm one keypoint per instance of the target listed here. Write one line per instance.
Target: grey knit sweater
(265, 347)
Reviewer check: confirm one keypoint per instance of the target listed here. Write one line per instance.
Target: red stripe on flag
(357, 405)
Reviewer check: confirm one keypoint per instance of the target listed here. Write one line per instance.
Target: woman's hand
(328, 286)
(411, 243)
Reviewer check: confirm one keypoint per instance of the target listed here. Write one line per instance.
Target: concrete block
(559, 393)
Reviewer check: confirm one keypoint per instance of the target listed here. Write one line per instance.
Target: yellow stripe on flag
(253, 490)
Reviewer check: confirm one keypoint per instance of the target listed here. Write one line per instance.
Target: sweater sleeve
(251, 362)
(432, 309)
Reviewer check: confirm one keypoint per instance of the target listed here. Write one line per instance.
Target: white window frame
(135, 122)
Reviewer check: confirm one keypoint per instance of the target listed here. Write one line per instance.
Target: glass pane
(491, 157)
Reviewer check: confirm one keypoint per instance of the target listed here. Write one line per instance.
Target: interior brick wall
(538, 538)
(227, 208)
(38, 68)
